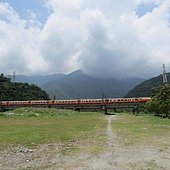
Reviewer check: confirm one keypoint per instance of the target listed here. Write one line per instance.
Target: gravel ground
(115, 157)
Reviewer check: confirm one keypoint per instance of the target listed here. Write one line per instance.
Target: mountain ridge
(144, 89)
(38, 79)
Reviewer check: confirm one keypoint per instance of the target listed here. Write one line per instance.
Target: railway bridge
(84, 105)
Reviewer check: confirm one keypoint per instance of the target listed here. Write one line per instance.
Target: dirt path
(104, 161)
(111, 136)
(115, 157)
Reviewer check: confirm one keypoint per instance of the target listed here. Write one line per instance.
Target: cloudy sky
(104, 38)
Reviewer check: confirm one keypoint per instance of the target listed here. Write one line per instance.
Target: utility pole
(165, 80)
(13, 76)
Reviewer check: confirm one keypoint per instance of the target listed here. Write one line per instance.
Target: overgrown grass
(30, 126)
(132, 130)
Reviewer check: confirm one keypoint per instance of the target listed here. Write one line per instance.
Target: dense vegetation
(20, 91)
(144, 89)
(160, 104)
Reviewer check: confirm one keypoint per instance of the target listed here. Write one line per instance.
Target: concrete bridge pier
(2, 109)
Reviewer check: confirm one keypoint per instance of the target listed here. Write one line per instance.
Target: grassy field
(142, 130)
(30, 127)
(64, 139)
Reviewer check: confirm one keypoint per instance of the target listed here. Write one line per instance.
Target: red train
(76, 102)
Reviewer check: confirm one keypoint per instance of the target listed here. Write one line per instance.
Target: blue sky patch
(144, 8)
(23, 8)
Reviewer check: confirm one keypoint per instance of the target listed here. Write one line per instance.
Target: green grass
(132, 130)
(30, 127)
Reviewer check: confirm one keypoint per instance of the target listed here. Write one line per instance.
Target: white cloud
(104, 38)
(19, 44)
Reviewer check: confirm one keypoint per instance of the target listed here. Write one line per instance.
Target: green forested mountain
(19, 91)
(80, 85)
(144, 89)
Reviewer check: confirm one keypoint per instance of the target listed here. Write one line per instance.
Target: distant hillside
(39, 80)
(80, 85)
(144, 89)
(20, 91)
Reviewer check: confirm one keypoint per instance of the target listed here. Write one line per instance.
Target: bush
(160, 104)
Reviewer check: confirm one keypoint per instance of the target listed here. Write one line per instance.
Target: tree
(160, 104)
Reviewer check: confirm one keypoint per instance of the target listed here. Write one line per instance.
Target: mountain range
(80, 85)
(39, 80)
